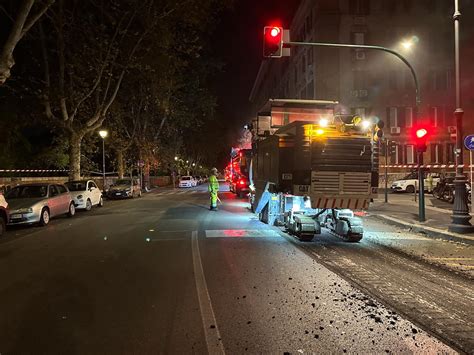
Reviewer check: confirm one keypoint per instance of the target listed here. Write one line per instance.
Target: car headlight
(24, 210)
(128, 189)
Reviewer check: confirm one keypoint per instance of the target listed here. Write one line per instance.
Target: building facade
(378, 84)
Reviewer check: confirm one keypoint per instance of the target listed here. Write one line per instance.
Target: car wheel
(72, 210)
(101, 202)
(410, 189)
(44, 218)
(88, 205)
(3, 226)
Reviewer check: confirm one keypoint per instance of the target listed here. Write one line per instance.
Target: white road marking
(211, 331)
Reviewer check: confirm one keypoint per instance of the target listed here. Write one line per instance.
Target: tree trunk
(146, 175)
(120, 163)
(75, 141)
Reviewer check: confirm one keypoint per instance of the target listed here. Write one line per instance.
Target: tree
(85, 59)
(23, 22)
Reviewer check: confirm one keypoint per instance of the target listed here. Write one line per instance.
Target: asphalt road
(163, 274)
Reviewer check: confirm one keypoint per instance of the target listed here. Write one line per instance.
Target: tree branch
(6, 56)
(35, 18)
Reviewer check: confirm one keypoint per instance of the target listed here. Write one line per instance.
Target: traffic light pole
(421, 203)
(421, 188)
(387, 147)
(460, 217)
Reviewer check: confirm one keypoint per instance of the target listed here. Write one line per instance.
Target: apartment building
(374, 83)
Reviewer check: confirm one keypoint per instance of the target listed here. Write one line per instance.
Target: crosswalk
(180, 192)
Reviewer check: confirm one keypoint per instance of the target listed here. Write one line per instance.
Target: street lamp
(103, 134)
(408, 43)
(460, 217)
(176, 158)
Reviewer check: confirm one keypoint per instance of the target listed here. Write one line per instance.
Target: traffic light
(272, 42)
(421, 136)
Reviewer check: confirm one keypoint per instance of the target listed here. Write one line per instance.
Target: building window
(450, 153)
(410, 151)
(436, 154)
(434, 118)
(359, 7)
(358, 38)
(392, 117)
(395, 157)
(409, 117)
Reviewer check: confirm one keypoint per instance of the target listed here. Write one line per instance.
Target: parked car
(125, 188)
(187, 181)
(85, 194)
(3, 214)
(408, 183)
(38, 203)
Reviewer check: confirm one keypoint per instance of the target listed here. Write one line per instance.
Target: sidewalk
(402, 211)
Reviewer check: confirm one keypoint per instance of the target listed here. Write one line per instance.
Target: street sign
(469, 142)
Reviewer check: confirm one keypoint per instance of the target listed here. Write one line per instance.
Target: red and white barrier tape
(434, 166)
(31, 171)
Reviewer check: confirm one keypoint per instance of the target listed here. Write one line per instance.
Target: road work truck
(313, 167)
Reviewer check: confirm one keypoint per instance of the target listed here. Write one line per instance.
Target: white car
(85, 194)
(408, 183)
(187, 181)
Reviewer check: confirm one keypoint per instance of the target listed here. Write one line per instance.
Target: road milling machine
(313, 167)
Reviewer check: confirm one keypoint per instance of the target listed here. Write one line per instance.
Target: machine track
(352, 238)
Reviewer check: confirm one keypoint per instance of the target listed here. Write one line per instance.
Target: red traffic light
(275, 31)
(421, 133)
(272, 41)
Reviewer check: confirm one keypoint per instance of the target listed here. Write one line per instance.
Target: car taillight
(242, 182)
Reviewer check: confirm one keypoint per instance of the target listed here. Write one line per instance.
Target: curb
(428, 231)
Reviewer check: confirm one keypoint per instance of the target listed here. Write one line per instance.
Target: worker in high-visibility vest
(429, 181)
(213, 188)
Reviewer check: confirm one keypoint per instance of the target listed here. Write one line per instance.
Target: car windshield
(123, 182)
(77, 185)
(186, 178)
(28, 191)
(411, 176)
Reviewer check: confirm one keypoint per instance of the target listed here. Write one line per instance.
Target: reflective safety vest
(213, 184)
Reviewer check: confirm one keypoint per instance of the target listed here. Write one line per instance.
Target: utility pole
(460, 217)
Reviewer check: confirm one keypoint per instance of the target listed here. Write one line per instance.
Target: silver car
(38, 203)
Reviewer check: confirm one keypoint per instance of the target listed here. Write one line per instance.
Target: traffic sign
(469, 142)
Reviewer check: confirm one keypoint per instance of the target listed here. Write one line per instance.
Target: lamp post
(103, 134)
(460, 217)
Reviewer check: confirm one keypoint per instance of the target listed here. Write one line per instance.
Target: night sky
(238, 42)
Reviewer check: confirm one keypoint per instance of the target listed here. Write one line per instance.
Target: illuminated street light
(103, 134)
(176, 158)
(407, 44)
(194, 164)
